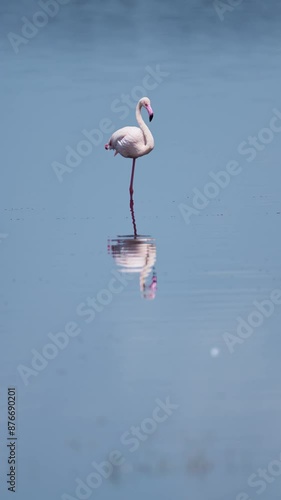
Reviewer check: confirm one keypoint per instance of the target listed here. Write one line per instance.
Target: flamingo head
(145, 102)
(149, 292)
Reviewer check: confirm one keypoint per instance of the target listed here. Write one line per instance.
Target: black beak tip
(151, 117)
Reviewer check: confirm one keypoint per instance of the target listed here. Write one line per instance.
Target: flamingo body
(133, 142)
(130, 142)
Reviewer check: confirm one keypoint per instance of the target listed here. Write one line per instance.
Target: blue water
(144, 303)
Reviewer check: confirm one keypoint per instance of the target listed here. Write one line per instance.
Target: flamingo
(133, 142)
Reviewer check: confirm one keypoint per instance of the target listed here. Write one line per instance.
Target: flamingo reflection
(136, 254)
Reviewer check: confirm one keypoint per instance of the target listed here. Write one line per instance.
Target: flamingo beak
(150, 112)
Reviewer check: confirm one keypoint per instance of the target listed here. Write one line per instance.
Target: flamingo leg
(133, 215)
(131, 189)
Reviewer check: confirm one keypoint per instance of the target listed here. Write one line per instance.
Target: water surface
(66, 237)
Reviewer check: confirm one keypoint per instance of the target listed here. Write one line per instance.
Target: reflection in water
(136, 254)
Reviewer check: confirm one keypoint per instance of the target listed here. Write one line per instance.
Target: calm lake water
(161, 304)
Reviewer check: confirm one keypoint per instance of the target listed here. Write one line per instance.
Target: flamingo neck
(148, 138)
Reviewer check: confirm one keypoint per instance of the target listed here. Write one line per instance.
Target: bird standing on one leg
(133, 142)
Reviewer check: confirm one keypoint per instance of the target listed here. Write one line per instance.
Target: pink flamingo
(133, 142)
